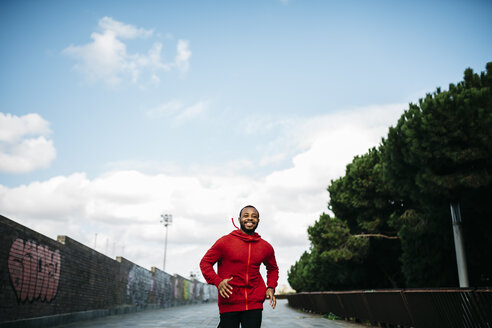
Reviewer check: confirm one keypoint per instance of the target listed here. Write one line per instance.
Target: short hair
(241, 211)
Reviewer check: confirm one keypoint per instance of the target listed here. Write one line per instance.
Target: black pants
(247, 319)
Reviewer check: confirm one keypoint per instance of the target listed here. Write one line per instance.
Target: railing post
(407, 307)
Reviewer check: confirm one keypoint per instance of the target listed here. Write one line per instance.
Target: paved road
(206, 316)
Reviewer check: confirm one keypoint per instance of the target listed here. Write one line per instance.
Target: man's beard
(246, 230)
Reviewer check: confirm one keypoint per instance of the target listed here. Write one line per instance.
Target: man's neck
(247, 233)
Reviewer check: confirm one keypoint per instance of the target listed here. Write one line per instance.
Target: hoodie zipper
(247, 273)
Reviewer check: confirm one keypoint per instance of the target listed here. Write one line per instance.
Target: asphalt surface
(207, 316)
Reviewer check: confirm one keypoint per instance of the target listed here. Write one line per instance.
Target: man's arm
(272, 277)
(213, 255)
(272, 270)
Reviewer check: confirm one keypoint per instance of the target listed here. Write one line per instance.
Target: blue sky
(196, 107)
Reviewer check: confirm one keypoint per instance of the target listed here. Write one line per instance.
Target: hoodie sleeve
(213, 255)
(272, 269)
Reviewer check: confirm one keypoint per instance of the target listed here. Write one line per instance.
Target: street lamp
(167, 219)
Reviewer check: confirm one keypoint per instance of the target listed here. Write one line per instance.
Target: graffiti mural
(139, 285)
(176, 289)
(34, 271)
(186, 290)
(162, 291)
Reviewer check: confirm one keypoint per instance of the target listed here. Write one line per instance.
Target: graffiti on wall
(186, 290)
(139, 285)
(34, 271)
(162, 291)
(176, 289)
(145, 287)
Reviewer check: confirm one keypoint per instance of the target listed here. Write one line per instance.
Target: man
(242, 290)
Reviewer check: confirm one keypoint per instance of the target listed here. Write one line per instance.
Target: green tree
(364, 201)
(308, 274)
(361, 197)
(334, 260)
(440, 152)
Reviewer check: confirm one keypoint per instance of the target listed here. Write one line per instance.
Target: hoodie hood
(245, 237)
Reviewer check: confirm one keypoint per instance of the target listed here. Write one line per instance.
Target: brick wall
(43, 277)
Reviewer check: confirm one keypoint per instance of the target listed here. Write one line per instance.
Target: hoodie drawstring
(232, 219)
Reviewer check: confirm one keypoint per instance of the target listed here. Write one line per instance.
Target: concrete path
(207, 316)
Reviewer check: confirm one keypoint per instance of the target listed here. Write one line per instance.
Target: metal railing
(419, 308)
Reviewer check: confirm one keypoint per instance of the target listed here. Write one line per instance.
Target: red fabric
(232, 253)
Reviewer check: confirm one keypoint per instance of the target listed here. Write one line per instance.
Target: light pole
(459, 245)
(167, 219)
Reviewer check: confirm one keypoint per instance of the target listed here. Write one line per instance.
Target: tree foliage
(441, 147)
(333, 259)
(362, 198)
(354, 260)
(440, 151)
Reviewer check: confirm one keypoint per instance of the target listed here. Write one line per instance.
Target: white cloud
(123, 30)
(265, 124)
(24, 143)
(331, 141)
(123, 206)
(106, 57)
(192, 111)
(166, 109)
(183, 55)
(273, 158)
(178, 110)
(14, 127)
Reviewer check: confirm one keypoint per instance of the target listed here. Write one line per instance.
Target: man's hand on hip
(225, 290)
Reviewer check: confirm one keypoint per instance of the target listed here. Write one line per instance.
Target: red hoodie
(239, 256)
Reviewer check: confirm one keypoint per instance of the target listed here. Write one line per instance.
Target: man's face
(249, 220)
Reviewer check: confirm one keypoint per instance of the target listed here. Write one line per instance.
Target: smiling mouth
(249, 224)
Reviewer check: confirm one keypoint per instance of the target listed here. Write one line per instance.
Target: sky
(113, 113)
